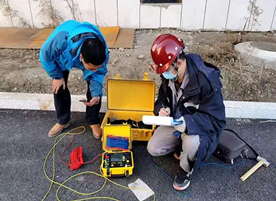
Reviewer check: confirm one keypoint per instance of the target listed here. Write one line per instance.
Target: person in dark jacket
(82, 46)
(190, 93)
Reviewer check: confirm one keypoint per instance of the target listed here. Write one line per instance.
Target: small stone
(28, 61)
(127, 55)
(141, 56)
(80, 178)
(121, 49)
(115, 61)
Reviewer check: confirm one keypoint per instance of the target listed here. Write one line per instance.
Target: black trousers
(63, 104)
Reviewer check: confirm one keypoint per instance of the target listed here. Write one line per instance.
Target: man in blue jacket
(79, 45)
(190, 92)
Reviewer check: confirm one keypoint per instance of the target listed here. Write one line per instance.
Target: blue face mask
(168, 75)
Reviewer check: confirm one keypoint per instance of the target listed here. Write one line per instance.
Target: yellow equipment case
(117, 162)
(129, 100)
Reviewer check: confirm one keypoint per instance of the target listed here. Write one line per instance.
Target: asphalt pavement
(24, 145)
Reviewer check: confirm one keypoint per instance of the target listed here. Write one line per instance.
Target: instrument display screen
(117, 157)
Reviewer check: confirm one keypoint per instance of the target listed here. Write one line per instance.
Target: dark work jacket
(203, 90)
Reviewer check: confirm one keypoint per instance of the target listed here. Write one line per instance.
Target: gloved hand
(177, 134)
(182, 126)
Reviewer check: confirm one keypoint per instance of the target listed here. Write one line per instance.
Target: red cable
(61, 155)
(75, 158)
(92, 159)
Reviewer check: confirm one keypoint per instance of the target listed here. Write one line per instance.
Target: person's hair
(182, 56)
(93, 51)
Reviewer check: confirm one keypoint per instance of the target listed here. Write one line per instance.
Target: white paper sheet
(141, 190)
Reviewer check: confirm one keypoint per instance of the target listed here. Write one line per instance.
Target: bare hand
(164, 112)
(56, 84)
(93, 101)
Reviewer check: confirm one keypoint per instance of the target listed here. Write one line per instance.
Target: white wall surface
(128, 13)
(171, 15)
(273, 25)
(106, 13)
(88, 11)
(216, 14)
(193, 14)
(21, 15)
(238, 16)
(5, 19)
(219, 15)
(40, 13)
(150, 16)
(263, 20)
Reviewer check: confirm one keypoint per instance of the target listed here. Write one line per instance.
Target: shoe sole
(56, 134)
(97, 137)
(176, 156)
(181, 188)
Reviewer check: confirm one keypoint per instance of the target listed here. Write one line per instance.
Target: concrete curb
(32, 101)
(254, 55)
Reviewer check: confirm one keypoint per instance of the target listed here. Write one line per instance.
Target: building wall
(218, 15)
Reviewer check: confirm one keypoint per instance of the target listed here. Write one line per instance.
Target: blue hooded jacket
(61, 51)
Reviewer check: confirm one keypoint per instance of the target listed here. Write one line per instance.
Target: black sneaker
(181, 181)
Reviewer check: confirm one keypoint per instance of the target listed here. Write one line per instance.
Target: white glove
(182, 126)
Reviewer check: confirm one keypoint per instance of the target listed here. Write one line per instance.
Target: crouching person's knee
(153, 149)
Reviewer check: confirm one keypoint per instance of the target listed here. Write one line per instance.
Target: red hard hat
(164, 51)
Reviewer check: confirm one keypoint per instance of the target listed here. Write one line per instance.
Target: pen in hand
(165, 109)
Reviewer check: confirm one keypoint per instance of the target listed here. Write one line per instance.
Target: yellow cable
(57, 141)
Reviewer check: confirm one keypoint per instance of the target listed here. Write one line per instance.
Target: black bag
(230, 147)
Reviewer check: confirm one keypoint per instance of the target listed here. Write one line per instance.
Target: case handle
(117, 76)
(146, 76)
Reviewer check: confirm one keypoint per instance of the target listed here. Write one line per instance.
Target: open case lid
(123, 131)
(131, 95)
